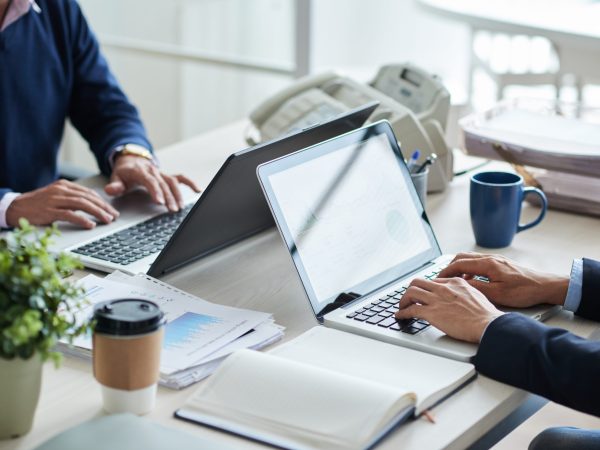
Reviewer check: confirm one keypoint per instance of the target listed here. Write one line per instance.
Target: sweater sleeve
(551, 362)
(98, 108)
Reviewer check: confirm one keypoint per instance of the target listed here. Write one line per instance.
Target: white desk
(258, 273)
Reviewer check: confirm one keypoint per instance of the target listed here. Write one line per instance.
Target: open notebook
(324, 389)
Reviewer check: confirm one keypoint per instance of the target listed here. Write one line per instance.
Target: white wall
(180, 99)
(260, 30)
(359, 36)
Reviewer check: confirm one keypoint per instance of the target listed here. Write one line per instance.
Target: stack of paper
(526, 132)
(569, 192)
(561, 138)
(198, 334)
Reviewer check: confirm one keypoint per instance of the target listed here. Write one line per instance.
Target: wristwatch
(134, 149)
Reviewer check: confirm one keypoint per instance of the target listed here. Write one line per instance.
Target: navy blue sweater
(51, 69)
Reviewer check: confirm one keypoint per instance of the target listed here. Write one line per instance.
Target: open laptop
(358, 234)
(230, 209)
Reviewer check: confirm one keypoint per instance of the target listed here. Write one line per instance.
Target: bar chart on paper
(198, 334)
(187, 329)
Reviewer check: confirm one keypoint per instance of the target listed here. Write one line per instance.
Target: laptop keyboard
(137, 241)
(381, 311)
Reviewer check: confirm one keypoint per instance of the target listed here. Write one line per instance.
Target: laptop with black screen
(230, 209)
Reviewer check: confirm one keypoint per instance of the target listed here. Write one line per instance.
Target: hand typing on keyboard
(451, 305)
(507, 283)
(381, 312)
(130, 171)
(60, 201)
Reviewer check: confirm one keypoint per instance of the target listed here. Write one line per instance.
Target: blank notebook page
(424, 374)
(303, 403)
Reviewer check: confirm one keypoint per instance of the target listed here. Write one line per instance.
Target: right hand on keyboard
(130, 171)
(450, 304)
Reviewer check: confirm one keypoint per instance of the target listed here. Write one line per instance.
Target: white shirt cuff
(5, 202)
(573, 298)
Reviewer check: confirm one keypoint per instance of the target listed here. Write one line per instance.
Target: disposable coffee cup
(127, 342)
(420, 182)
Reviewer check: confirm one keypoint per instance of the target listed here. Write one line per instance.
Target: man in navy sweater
(51, 69)
(513, 348)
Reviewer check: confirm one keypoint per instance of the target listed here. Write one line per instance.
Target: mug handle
(533, 190)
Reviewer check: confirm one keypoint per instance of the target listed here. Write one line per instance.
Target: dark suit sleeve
(99, 109)
(551, 362)
(589, 307)
(4, 191)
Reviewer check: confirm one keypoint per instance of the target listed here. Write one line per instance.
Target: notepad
(324, 389)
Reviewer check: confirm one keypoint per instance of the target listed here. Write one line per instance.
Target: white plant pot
(19, 393)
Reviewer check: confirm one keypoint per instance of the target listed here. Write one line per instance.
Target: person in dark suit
(51, 69)
(513, 348)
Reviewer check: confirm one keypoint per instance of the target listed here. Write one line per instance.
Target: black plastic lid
(127, 317)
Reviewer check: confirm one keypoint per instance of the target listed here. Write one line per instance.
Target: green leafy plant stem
(37, 306)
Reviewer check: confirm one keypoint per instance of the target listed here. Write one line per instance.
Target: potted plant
(36, 309)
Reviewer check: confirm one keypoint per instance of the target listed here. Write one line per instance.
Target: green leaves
(36, 304)
(24, 328)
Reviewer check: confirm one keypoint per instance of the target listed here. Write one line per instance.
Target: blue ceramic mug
(496, 199)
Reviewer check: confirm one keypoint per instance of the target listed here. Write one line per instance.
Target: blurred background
(192, 65)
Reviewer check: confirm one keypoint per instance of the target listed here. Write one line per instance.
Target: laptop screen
(349, 214)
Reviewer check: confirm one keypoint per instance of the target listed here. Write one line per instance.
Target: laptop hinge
(345, 300)
(341, 300)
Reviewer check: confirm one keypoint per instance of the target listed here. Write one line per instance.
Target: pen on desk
(430, 160)
(429, 416)
(412, 162)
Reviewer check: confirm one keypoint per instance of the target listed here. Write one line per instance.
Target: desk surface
(258, 274)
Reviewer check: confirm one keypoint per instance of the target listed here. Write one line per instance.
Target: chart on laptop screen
(351, 215)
